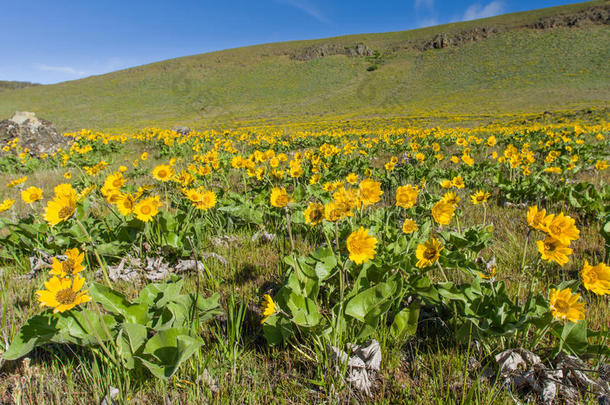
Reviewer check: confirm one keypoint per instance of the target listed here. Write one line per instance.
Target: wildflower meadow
(324, 262)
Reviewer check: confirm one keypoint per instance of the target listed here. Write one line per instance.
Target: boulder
(37, 135)
(181, 129)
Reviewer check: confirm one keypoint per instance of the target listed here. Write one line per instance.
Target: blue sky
(56, 40)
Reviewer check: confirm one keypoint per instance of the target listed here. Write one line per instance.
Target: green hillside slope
(548, 59)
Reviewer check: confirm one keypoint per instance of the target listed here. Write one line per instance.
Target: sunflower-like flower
(296, 170)
(314, 214)
(147, 208)
(65, 190)
(535, 218)
(561, 227)
(370, 191)
(428, 253)
(184, 178)
(114, 181)
(163, 173)
(442, 212)
(406, 196)
(6, 205)
(348, 198)
(409, 226)
(17, 182)
(333, 212)
(552, 250)
(451, 198)
(60, 209)
(125, 203)
(352, 178)
(596, 278)
(206, 201)
(71, 266)
(480, 197)
(457, 182)
(63, 294)
(467, 159)
(267, 307)
(446, 183)
(361, 246)
(31, 194)
(565, 305)
(279, 197)
(192, 194)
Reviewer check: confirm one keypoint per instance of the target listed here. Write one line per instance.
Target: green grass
(520, 70)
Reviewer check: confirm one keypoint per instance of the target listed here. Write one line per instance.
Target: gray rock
(37, 135)
(181, 129)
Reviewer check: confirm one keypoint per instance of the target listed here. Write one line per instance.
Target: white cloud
(307, 7)
(60, 69)
(427, 22)
(114, 63)
(429, 4)
(476, 11)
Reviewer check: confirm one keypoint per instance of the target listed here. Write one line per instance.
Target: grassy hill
(549, 59)
(10, 85)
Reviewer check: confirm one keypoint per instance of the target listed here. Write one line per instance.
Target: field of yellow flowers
(318, 264)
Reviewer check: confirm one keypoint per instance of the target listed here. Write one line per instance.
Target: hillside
(549, 59)
(10, 85)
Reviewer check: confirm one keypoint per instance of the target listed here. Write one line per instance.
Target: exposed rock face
(320, 51)
(589, 16)
(596, 15)
(35, 134)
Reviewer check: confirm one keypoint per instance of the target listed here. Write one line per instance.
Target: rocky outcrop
(595, 15)
(320, 51)
(590, 16)
(37, 135)
(444, 40)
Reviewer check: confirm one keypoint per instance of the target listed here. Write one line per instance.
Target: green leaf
(369, 304)
(137, 334)
(573, 337)
(276, 329)
(304, 310)
(405, 322)
(159, 294)
(37, 330)
(166, 350)
(112, 301)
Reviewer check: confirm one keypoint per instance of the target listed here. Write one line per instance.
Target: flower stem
(97, 256)
(288, 226)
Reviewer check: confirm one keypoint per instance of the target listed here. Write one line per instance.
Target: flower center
(66, 296)
(562, 306)
(162, 173)
(116, 183)
(146, 210)
(65, 212)
(315, 215)
(68, 265)
(430, 253)
(550, 246)
(555, 229)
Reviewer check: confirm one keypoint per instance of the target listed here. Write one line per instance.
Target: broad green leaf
(166, 350)
(405, 322)
(112, 301)
(372, 302)
(277, 329)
